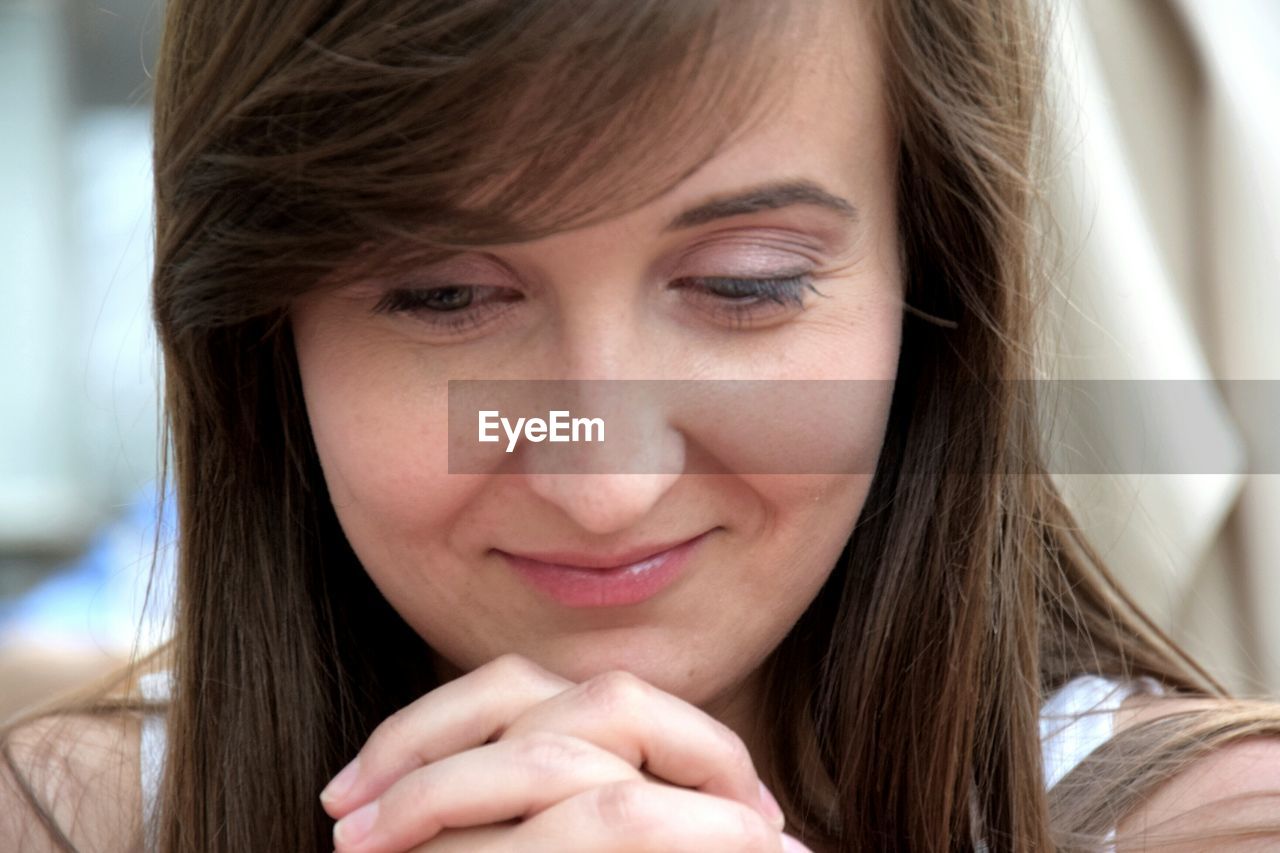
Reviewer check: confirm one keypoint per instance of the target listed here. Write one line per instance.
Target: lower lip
(576, 587)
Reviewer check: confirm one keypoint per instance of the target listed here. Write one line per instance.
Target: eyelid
(750, 251)
(755, 251)
(745, 255)
(469, 267)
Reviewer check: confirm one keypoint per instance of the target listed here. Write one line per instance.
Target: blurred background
(78, 365)
(1165, 187)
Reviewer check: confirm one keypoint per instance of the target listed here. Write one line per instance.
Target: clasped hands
(513, 758)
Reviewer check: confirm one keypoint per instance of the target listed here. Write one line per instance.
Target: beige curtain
(1167, 194)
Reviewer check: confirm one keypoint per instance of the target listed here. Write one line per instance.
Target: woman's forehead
(816, 112)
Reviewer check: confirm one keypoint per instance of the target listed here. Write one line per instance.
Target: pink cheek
(380, 468)
(810, 427)
(403, 494)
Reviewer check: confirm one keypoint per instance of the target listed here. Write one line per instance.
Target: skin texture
(601, 302)
(1233, 787)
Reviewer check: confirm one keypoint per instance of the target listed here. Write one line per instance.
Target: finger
(494, 839)
(495, 782)
(654, 730)
(466, 712)
(640, 817)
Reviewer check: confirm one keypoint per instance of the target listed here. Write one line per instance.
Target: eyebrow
(772, 196)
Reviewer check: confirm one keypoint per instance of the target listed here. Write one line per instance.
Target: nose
(603, 504)
(612, 374)
(609, 486)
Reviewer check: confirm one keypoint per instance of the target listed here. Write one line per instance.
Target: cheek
(811, 520)
(381, 436)
(816, 439)
(818, 399)
(828, 445)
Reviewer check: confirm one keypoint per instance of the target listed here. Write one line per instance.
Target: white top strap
(1078, 718)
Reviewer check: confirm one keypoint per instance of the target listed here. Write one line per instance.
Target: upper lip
(588, 560)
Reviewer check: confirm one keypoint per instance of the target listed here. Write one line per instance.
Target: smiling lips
(585, 580)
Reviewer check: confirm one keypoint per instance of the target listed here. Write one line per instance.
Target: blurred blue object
(101, 600)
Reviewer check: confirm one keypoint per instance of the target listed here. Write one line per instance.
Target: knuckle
(511, 669)
(398, 735)
(548, 753)
(421, 788)
(615, 691)
(510, 666)
(623, 806)
(395, 729)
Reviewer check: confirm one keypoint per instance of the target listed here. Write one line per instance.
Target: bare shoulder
(1233, 786)
(83, 772)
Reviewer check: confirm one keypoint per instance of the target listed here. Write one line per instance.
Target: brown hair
(298, 143)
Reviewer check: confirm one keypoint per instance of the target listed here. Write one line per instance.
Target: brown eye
(451, 307)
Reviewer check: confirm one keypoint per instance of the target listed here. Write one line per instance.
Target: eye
(738, 301)
(743, 301)
(449, 307)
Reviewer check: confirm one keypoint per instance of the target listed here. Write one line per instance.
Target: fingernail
(790, 845)
(771, 807)
(353, 828)
(340, 785)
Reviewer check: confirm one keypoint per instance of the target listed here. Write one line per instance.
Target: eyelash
(740, 299)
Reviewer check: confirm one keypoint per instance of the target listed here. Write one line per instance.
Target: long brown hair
(300, 142)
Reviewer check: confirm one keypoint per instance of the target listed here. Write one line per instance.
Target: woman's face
(618, 300)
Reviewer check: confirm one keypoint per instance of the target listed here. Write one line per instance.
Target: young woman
(360, 201)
